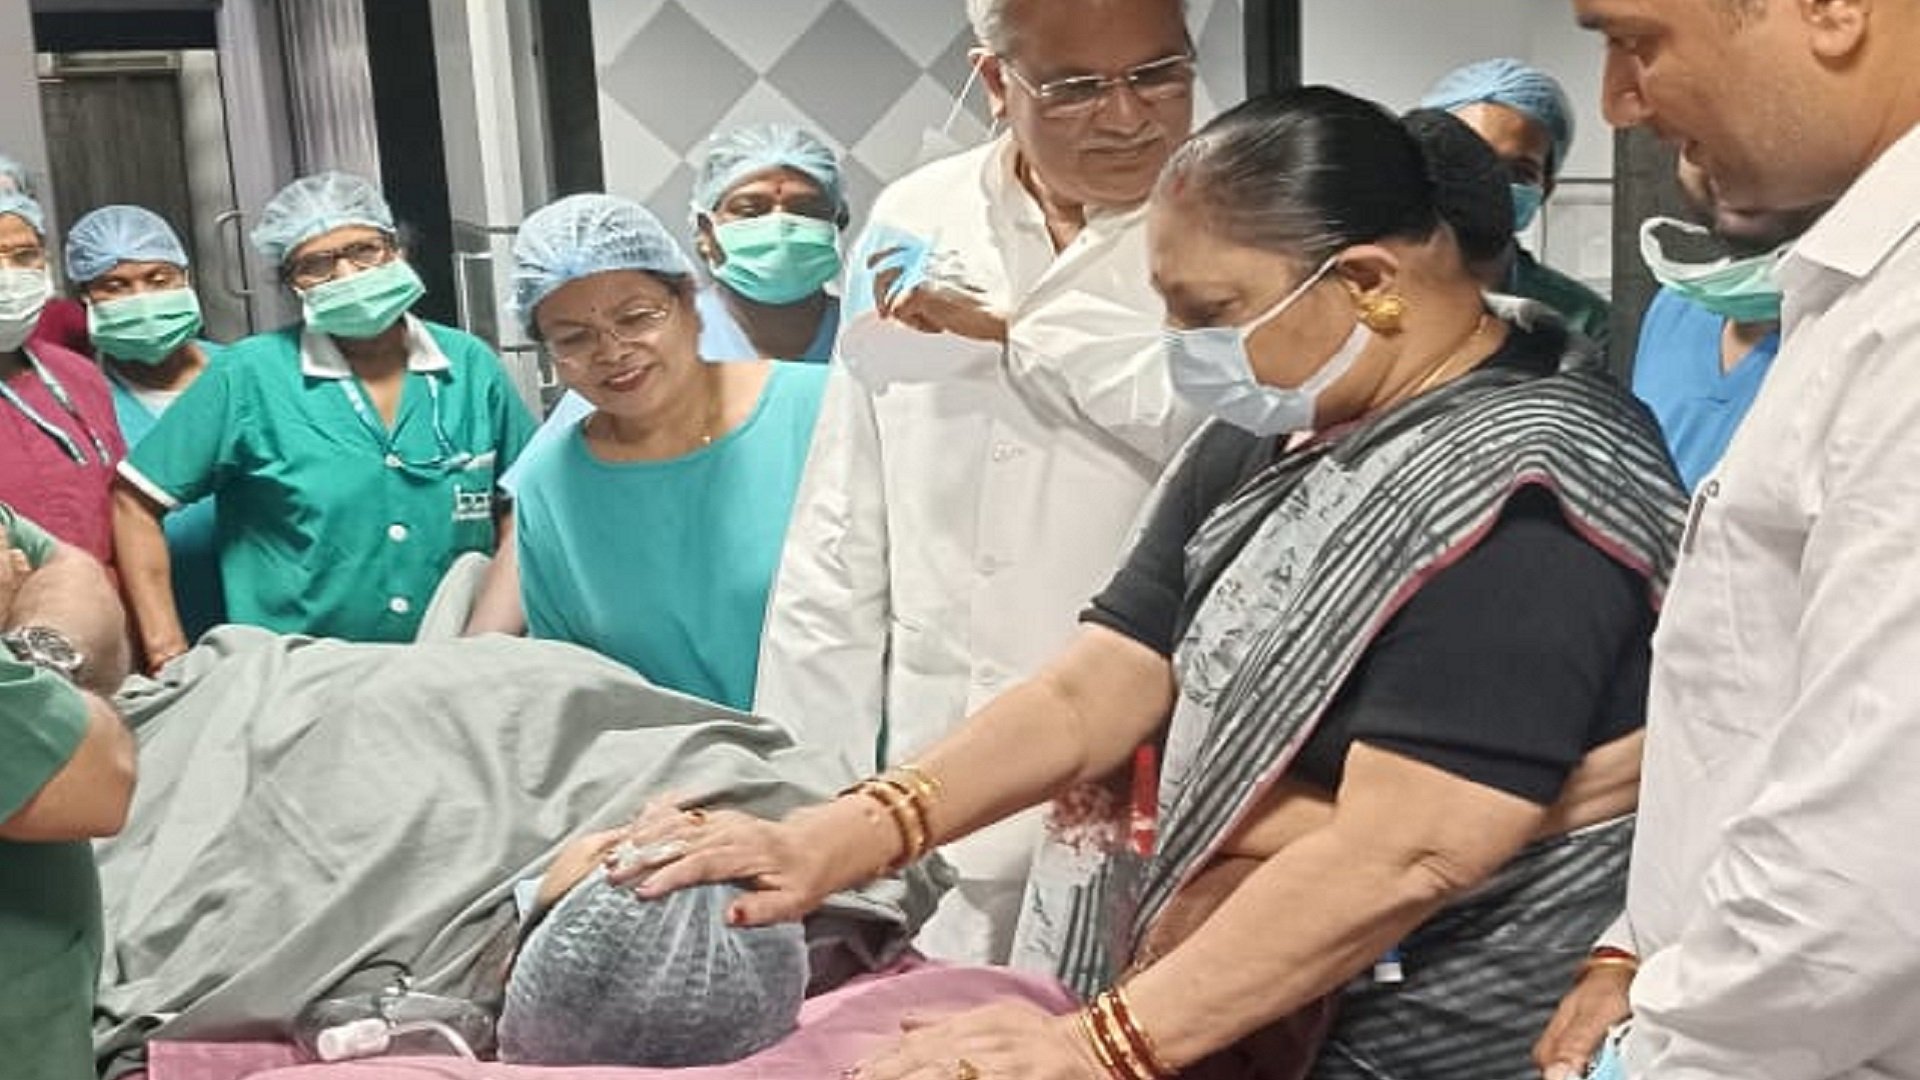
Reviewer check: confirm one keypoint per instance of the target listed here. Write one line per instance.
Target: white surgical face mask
(23, 295)
(1210, 367)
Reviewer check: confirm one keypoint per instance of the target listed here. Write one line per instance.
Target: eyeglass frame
(389, 251)
(1103, 85)
(659, 318)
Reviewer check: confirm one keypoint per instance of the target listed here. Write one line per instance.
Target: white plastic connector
(356, 1039)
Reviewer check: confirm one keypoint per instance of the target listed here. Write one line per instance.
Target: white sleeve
(1618, 935)
(823, 654)
(1803, 960)
(1097, 360)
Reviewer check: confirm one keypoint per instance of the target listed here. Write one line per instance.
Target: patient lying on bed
(603, 977)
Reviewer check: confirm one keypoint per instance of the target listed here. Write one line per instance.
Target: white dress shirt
(1775, 894)
(963, 500)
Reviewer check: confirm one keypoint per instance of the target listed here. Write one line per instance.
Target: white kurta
(964, 501)
(1775, 895)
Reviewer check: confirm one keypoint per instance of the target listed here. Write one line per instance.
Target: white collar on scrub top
(320, 358)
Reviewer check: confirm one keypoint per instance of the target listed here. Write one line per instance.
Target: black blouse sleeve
(1143, 600)
(1505, 668)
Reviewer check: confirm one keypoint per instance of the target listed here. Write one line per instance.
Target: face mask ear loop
(960, 102)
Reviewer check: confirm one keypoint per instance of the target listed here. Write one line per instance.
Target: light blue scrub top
(1676, 371)
(721, 338)
(190, 530)
(665, 566)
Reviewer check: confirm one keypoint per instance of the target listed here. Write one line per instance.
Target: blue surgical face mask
(1211, 368)
(1740, 290)
(1526, 204)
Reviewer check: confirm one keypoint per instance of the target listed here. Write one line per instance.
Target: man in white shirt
(995, 417)
(1774, 904)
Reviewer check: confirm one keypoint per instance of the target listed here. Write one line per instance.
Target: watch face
(47, 646)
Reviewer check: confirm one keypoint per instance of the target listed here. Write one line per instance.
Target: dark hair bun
(1470, 184)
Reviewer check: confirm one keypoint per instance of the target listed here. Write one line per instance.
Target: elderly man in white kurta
(991, 432)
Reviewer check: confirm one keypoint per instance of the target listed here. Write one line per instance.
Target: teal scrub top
(330, 523)
(50, 926)
(665, 566)
(190, 530)
(1584, 310)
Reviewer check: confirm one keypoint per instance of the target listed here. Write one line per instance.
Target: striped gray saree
(1300, 569)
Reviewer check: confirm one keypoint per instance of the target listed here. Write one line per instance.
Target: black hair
(1308, 171)
(1471, 188)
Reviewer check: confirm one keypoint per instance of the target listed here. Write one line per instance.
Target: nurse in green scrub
(351, 457)
(144, 320)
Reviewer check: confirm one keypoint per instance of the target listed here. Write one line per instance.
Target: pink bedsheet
(836, 1031)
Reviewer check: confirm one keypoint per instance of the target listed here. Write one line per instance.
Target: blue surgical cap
(23, 207)
(587, 234)
(113, 235)
(14, 178)
(1518, 86)
(313, 205)
(744, 152)
(609, 978)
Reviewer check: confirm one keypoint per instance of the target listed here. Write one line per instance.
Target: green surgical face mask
(144, 328)
(1740, 290)
(364, 305)
(777, 258)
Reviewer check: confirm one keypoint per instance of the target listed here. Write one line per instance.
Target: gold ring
(965, 1070)
(695, 817)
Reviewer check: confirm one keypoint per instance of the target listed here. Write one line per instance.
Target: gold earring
(1382, 314)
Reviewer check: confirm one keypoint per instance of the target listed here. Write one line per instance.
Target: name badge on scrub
(472, 505)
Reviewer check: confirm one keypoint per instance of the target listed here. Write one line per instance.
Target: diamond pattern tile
(758, 33)
(614, 24)
(869, 76)
(677, 76)
(919, 28)
(818, 73)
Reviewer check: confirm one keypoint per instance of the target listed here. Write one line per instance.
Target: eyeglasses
(24, 257)
(578, 342)
(316, 267)
(1078, 95)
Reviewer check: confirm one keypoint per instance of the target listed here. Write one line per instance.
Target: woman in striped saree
(1388, 617)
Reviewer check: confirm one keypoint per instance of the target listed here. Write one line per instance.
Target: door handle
(239, 264)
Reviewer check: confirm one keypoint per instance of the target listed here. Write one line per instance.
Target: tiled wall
(868, 75)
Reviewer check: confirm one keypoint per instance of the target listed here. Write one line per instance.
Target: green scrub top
(49, 892)
(1584, 310)
(330, 523)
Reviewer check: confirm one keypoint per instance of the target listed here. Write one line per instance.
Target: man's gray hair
(993, 29)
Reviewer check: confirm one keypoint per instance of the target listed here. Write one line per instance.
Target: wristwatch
(44, 647)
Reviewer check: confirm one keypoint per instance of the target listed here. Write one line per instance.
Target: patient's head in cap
(609, 978)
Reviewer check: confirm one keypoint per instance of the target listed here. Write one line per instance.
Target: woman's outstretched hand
(668, 847)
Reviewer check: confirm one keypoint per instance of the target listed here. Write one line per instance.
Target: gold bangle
(912, 839)
(929, 787)
(1093, 1040)
(908, 808)
(912, 797)
(1103, 1047)
(1123, 1046)
(1137, 1035)
(1595, 963)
